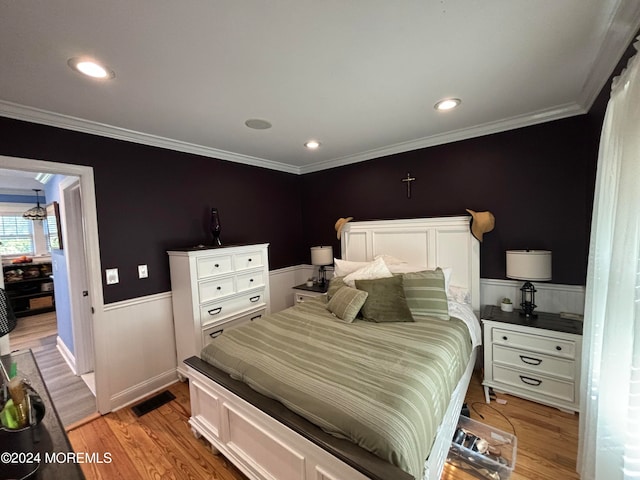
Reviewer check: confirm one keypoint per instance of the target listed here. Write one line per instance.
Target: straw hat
(341, 223)
(481, 223)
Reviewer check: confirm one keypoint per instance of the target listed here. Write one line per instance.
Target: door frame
(92, 255)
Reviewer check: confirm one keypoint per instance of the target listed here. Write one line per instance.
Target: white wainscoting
(141, 342)
(141, 345)
(550, 297)
(282, 281)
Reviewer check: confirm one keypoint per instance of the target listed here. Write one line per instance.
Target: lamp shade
(321, 255)
(529, 264)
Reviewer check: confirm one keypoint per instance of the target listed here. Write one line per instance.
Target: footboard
(265, 440)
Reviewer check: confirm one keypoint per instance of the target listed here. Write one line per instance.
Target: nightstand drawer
(535, 343)
(531, 382)
(535, 362)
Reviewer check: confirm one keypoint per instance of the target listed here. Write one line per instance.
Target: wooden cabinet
(29, 287)
(214, 289)
(537, 359)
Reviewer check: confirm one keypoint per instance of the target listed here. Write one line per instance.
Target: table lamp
(529, 265)
(321, 257)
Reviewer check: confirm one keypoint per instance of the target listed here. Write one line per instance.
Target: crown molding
(541, 116)
(34, 115)
(44, 117)
(624, 24)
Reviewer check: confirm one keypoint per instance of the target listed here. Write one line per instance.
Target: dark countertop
(50, 435)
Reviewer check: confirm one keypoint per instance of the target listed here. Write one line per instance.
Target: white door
(74, 245)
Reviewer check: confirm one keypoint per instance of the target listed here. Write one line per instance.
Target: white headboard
(428, 242)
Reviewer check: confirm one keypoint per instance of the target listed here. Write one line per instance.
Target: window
(16, 235)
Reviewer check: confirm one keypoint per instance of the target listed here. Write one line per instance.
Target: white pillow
(390, 259)
(376, 269)
(459, 294)
(342, 268)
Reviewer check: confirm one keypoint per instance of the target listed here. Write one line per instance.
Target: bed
(267, 440)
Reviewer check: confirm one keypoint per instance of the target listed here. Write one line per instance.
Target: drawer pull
(558, 347)
(216, 333)
(217, 265)
(214, 311)
(530, 360)
(249, 259)
(256, 317)
(218, 288)
(254, 299)
(530, 381)
(504, 337)
(250, 280)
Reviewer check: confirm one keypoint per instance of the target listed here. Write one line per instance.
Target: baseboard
(142, 390)
(66, 354)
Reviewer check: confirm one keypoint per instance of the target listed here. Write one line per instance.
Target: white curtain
(609, 446)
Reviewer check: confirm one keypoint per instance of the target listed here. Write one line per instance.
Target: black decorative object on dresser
(29, 288)
(533, 358)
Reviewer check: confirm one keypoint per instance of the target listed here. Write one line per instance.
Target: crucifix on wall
(408, 179)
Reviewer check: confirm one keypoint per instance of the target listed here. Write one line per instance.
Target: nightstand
(302, 292)
(537, 359)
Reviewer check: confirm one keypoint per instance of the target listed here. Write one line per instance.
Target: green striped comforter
(384, 386)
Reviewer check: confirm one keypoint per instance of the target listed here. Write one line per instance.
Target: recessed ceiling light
(257, 124)
(312, 144)
(90, 68)
(447, 104)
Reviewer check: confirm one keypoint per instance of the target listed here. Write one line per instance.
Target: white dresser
(214, 289)
(536, 359)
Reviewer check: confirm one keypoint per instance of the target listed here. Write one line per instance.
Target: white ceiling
(360, 76)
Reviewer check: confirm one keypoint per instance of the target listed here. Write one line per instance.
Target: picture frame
(52, 226)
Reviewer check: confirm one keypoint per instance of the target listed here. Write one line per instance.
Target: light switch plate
(143, 272)
(112, 276)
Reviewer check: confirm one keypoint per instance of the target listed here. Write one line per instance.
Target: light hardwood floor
(160, 444)
(34, 331)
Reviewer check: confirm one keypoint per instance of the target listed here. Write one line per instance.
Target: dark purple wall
(150, 200)
(537, 181)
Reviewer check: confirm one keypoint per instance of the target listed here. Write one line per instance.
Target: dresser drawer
(248, 260)
(209, 333)
(247, 281)
(218, 311)
(535, 362)
(210, 266)
(532, 382)
(215, 288)
(535, 343)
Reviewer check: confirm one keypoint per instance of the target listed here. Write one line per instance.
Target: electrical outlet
(143, 272)
(112, 276)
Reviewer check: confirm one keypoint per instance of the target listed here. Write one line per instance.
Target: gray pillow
(426, 294)
(346, 303)
(386, 301)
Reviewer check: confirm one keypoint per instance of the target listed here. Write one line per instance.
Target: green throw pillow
(346, 303)
(335, 284)
(386, 301)
(426, 293)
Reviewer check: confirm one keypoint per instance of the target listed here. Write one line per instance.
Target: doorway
(89, 309)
